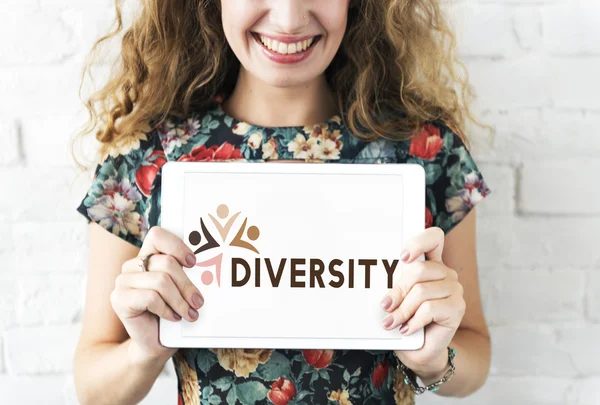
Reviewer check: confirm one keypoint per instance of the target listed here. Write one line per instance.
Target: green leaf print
(277, 366)
(206, 391)
(324, 375)
(432, 173)
(443, 220)
(448, 140)
(450, 191)
(208, 124)
(301, 395)
(205, 360)
(461, 153)
(214, 399)
(223, 383)
(231, 397)
(432, 202)
(107, 169)
(346, 376)
(123, 172)
(250, 392)
(453, 170)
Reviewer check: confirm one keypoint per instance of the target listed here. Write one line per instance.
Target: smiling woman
(244, 80)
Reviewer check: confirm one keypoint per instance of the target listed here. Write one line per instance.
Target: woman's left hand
(427, 295)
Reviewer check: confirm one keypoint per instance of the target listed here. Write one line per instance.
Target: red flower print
(427, 143)
(380, 374)
(318, 358)
(282, 391)
(146, 173)
(428, 218)
(215, 152)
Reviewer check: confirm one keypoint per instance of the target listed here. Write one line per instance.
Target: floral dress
(124, 198)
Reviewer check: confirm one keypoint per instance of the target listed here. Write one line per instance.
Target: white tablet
(292, 256)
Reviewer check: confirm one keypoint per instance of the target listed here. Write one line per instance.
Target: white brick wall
(534, 65)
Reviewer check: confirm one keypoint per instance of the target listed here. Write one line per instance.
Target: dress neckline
(334, 121)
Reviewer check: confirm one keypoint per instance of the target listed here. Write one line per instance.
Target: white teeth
(284, 48)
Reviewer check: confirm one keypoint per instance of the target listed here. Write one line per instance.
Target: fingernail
(190, 259)
(386, 303)
(197, 300)
(404, 255)
(404, 329)
(387, 321)
(193, 313)
(176, 316)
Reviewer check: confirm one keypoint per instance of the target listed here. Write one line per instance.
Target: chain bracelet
(410, 377)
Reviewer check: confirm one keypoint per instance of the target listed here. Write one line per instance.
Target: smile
(285, 48)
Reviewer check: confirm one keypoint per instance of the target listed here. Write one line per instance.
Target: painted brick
(561, 186)
(571, 28)
(10, 152)
(47, 390)
(52, 246)
(549, 296)
(530, 350)
(511, 390)
(48, 299)
(30, 355)
(538, 242)
(42, 37)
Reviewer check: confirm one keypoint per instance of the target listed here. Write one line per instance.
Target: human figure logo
(206, 241)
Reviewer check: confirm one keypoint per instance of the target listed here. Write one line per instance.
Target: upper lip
(287, 39)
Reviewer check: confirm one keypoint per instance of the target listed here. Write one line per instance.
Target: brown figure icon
(195, 238)
(253, 234)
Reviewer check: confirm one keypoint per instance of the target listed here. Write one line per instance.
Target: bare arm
(107, 366)
(472, 339)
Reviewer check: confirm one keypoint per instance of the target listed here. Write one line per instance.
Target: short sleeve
(454, 183)
(124, 197)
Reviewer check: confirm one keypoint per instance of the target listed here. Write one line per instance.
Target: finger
(419, 293)
(168, 264)
(159, 240)
(162, 283)
(430, 242)
(446, 312)
(412, 274)
(129, 303)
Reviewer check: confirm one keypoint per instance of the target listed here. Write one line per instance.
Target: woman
(278, 80)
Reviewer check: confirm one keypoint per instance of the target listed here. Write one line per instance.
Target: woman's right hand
(165, 291)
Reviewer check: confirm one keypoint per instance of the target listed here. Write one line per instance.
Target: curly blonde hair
(393, 71)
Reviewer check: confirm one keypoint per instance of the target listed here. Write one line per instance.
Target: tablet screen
(292, 255)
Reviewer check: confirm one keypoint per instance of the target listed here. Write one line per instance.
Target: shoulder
(123, 195)
(454, 183)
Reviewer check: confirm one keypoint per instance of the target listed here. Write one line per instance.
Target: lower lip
(280, 58)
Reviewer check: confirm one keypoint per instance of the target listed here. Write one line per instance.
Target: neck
(258, 103)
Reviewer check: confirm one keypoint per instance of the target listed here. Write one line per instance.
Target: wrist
(430, 381)
(432, 371)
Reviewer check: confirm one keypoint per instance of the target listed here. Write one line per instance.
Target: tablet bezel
(172, 189)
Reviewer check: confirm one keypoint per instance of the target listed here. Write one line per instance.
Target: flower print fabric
(124, 198)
